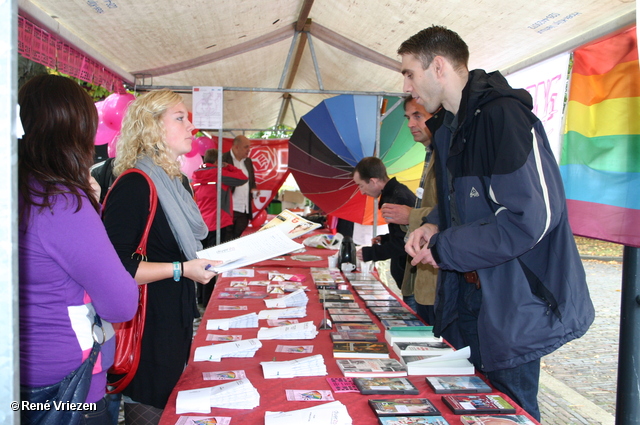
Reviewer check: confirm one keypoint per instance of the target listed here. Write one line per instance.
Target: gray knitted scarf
(181, 210)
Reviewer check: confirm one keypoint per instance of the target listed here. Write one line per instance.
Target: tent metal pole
(376, 153)
(287, 63)
(219, 188)
(315, 61)
(189, 89)
(628, 388)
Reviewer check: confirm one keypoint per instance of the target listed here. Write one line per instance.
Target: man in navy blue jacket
(510, 272)
(371, 177)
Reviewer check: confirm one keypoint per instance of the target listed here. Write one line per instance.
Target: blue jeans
(410, 301)
(521, 382)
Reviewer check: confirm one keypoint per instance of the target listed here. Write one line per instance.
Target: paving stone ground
(582, 375)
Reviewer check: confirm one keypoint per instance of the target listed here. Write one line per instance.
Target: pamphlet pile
(304, 330)
(305, 366)
(214, 353)
(245, 321)
(297, 298)
(283, 313)
(332, 413)
(240, 394)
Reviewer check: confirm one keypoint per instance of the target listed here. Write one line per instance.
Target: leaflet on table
(332, 413)
(214, 353)
(305, 366)
(256, 247)
(249, 320)
(203, 420)
(239, 394)
(290, 224)
(297, 298)
(283, 313)
(304, 330)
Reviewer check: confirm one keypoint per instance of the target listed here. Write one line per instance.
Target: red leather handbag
(129, 334)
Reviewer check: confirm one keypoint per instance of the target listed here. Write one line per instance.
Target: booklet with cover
(385, 385)
(250, 249)
(291, 224)
(473, 404)
(413, 420)
(371, 367)
(403, 407)
(457, 384)
(360, 350)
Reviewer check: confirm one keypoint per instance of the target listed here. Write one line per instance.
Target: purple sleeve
(78, 242)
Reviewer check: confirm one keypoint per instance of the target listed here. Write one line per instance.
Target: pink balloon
(104, 134)
(111, 148)
(204, 143)
(114, 108)
(190, 164)
(194, 148)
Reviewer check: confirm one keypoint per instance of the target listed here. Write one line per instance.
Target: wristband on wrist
(176, 271)
(181, 269)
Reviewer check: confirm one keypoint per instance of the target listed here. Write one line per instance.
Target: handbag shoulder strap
(141, 250)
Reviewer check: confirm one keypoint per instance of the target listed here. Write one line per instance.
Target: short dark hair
(60, 122)
(211, 156)
(436, 41)
(371, 167)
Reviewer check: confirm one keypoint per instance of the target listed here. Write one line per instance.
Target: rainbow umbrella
(334, 136)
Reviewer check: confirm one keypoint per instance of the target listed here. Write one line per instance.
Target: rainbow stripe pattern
(600, 162)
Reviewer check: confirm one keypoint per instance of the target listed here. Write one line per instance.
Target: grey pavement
(578, 381)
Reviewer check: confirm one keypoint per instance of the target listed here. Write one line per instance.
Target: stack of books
(305, 366)
(214, 353)
(240, 394)
(245, 321)
(333, 413)
(410, 334)
(432, 348)
(453, 363)
(304, 330)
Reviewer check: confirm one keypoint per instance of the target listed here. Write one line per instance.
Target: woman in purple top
(68, 268)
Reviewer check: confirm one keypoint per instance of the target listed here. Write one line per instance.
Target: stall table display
(283, 394)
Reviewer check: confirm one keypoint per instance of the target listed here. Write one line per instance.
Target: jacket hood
(206, 172)
(484, 87)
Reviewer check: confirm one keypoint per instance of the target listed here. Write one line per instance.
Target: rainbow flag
(600, 162)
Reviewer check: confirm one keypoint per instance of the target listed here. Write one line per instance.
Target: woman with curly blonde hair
(155, 132)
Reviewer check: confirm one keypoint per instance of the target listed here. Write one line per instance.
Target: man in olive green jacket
(419, 281)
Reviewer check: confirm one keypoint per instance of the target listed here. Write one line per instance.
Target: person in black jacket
(371, 177)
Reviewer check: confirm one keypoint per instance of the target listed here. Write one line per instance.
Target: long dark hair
(60, 122)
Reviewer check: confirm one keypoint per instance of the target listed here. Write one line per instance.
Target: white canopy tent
(276, 60)
(302, 45)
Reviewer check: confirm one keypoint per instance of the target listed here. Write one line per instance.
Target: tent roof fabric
(243, 43)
